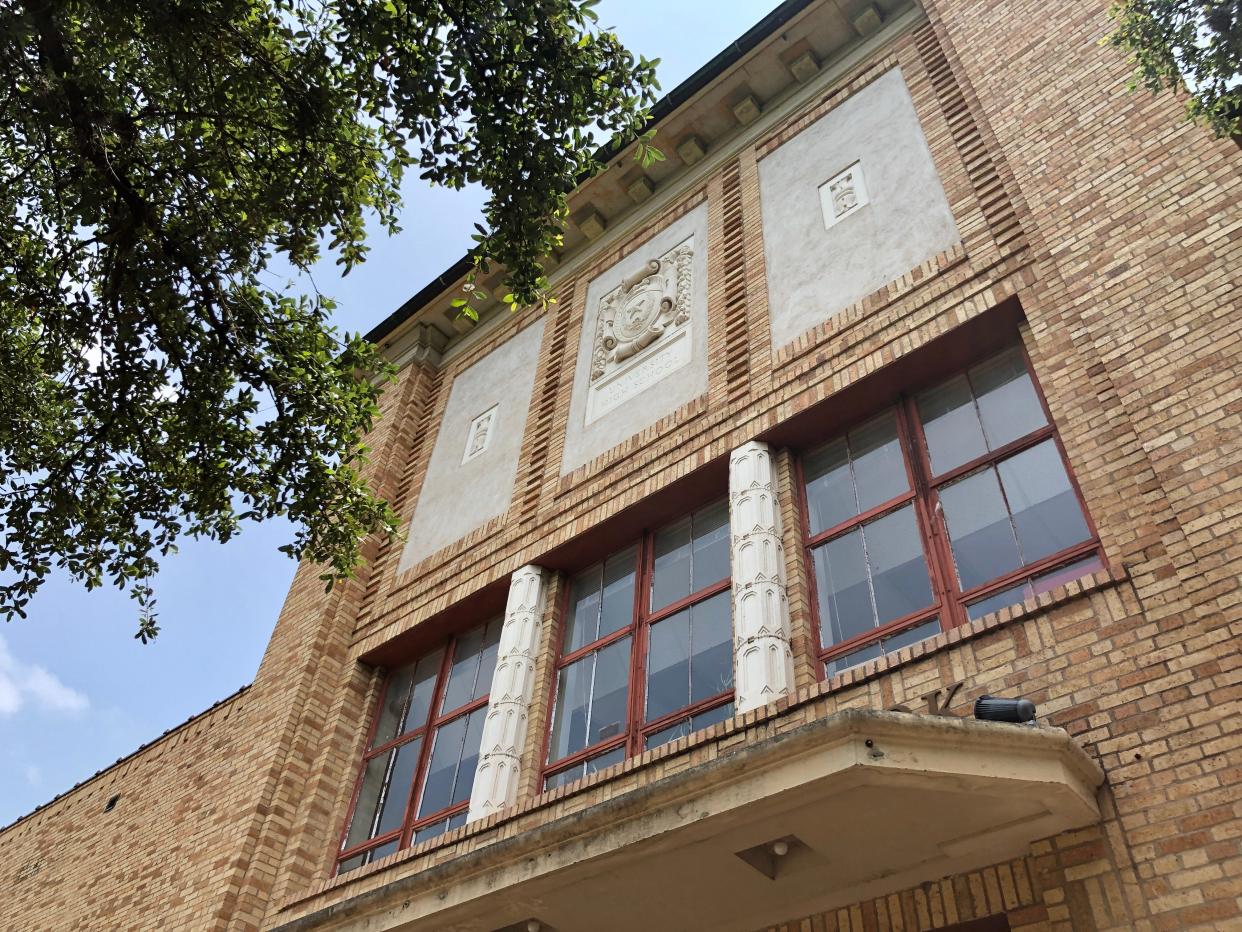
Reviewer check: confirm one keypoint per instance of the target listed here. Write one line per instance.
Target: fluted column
(508, 706)
(762, 656)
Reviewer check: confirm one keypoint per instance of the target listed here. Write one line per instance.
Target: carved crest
(647, 306)
(844, 195)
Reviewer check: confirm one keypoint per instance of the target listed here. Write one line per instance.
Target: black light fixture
(996, 709)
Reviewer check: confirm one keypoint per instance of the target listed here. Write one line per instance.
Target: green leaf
(160, 379)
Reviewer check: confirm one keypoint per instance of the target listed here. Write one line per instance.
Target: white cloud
(21, 683)
(34, 776)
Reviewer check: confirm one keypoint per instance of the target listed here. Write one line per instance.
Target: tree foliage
(157, 379)
(1187, 43)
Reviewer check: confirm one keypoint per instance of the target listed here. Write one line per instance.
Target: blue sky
(77, 692)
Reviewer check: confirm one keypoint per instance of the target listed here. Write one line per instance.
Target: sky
(77, 692)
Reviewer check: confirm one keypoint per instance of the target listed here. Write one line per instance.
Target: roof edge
(215, 706)
(660, 110)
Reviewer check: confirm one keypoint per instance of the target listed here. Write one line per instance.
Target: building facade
(908, 378)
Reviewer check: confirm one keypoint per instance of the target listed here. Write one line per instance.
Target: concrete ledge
(876, 802)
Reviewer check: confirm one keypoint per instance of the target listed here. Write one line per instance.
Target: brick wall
(1114, 224)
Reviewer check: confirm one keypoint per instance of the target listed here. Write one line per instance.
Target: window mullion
(928, 516)
(424, 751)
(875, 609)
(385, 789)
(1013, 528)
(641, 624)
(590, 709)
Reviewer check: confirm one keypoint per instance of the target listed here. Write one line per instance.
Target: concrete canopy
(867, 803)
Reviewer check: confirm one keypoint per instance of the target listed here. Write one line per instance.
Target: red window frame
(949, 604)
(426, 732)
(637, 730)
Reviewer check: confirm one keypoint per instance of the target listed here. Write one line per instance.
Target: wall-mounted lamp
(996, 709)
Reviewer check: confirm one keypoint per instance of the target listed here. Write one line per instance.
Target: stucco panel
(681, 382)
(816, 270)
(458, 496)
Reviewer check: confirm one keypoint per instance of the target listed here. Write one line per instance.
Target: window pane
(425, 675)
(487, 660)
(720, 713)
(829, 488)
(1030, 588)
(434, 830)
(670, 577)
(396, 694)
(573, 704)
(1006, 597)
(668, 665)
(665, 735)
(454, 757)
(382, 851)
(899, 572)
(951, 425)
(689, 725)
(845, 608)
(711, 545)
(442, 769)
(1045, 509)
(353, 863)
(711, 640)
(578, 771)
(610, 694)
(607, 759)
(562, 777)
(464, 671)
(369, 796)
(853, 658)
(1007, 401)
(384, 794)
(910, 636)
(879, 469)
(582, 626)
(979, 529)
(397, 793)
(618, 607)
(470, 755)
(877, 649)
(1064, 574)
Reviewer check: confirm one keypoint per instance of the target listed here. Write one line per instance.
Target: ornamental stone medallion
(842, 195)
(642, 330)
(642, 347)
(479, 438)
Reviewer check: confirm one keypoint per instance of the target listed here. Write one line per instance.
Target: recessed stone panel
(643, 351)
(849, 204)
(474, 463)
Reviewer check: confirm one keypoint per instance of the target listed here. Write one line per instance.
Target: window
(647, 648)
(953, 503)
(419, 768)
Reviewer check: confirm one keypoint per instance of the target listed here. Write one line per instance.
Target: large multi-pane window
(953, 503)
(419, 767)
(647, 647)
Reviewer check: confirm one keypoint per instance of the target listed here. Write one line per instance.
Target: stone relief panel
(849, 204)
(480, 435)
(644, 318)
(843, 195)
(475, 459)
(643, 350)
